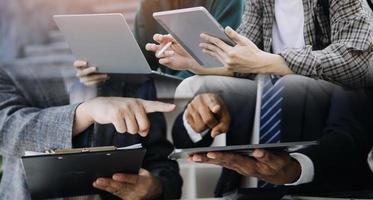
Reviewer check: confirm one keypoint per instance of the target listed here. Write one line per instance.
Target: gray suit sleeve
(24, 127)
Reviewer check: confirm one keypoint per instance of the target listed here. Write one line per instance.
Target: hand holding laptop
(88, 74)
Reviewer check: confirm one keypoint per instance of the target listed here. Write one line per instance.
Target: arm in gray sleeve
(24, 127)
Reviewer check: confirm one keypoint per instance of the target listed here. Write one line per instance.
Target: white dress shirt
(287, 32)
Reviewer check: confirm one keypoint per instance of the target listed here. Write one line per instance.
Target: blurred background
(29, 38)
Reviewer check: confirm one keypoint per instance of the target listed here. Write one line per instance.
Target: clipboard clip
(82, 150)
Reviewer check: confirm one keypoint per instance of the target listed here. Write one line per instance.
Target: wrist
(279, 66)
(82, 119)
(156, 189)
(295, 171)
(194, 66)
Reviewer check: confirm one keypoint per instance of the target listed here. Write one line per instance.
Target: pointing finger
(157, 106)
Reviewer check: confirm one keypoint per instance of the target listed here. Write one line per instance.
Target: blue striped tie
(270, 117)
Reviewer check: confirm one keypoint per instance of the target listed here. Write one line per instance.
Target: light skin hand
(128, 186)
(126, 114)
(177, 58)
(207, 111)
(88, 74)
(245, 57)
(275, 168)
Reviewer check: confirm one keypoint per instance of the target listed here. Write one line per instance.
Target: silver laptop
(105, 41)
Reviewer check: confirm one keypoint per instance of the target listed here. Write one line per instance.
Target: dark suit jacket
(35, 116)
(158, 148)
(345, 140)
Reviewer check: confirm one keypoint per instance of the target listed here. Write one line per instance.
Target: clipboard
(245, 150)
(71, 172)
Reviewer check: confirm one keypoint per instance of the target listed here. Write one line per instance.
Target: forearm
(167, 173)
(335, 63)
(196, 68)
(32, 129)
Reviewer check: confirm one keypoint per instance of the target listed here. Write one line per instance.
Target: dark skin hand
(276, 168)
(207, 111)
(132, 187)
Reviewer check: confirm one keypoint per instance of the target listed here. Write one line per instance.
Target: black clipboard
(68, 173)
(242, 149)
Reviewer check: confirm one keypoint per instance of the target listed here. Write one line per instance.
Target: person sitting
(337, 118)
(35, 116)
(226, 12)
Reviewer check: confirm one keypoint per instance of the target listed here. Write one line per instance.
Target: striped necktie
(270, 117)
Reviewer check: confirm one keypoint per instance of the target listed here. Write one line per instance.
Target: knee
(189, 87)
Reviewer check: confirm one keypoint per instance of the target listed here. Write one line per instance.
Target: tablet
(68, 174)
(186, 26)
(242, 149)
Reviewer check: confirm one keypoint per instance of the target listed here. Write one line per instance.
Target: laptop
(107, 42)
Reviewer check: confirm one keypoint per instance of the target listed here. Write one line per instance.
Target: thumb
(156, 106)
(237, 38)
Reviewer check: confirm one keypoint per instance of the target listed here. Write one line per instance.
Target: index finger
(212, 103)
(157, 106)
(223, 125)
(216, 41)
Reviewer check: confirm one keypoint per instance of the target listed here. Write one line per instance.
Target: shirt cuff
(307, 167)
(193, 135)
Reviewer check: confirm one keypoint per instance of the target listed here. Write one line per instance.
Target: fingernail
(144, 134)
(117, 177)
(197, 159)
(216, 109)
(258, 154)
(101, 182)
(211, 155)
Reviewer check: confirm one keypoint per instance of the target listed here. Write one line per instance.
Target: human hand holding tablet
(272, 163)
(245, 150)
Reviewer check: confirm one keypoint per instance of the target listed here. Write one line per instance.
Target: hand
(128, 186)
(275, 168)
(88, 74)
(208, 111)
(176, 57)
(126, 114)
(245, 57)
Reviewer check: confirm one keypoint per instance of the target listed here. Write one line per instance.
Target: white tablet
(186, 26)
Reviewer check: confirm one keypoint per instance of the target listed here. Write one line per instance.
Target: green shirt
(226, 12)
